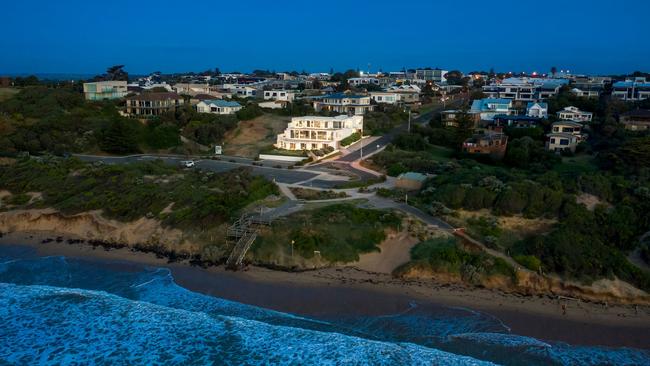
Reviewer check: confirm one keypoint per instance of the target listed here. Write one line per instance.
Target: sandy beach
(349, 290)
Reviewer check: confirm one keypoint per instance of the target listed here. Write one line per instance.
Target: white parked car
(188, 163)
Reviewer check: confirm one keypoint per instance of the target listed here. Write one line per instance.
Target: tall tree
(117, 73)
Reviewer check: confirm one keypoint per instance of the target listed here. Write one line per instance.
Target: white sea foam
(50, 325)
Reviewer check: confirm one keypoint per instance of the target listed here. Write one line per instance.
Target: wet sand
(350, 291)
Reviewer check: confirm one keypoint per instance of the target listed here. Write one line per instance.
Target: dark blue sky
(74, 36)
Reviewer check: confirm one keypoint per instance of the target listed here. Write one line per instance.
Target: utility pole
(361, 141)
(409, 126)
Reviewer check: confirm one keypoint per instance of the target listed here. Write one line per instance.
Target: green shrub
(529, 261)
(19, 199)
(351, 139)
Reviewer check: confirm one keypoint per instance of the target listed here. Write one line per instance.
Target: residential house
(574, 114)
(317, 132)
(282, 95)
(104, 90)
(218, 106)
(449, 118)
(636, 120)
(409, 94)
(634, 89)
(589, 86)
(537, 109)
(503, 121)
(489, 107)
(385, 97)
(273, 104)
(524, 89)
(410, 181)
(564, 135)
(437, 76)
(363, 81)
(493, 144)
(153, 104)
(344, 103)
(191, 89)
(241, 90)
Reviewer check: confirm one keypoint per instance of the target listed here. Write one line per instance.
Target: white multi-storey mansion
(574, 114)
(317, 132)
(344, 103)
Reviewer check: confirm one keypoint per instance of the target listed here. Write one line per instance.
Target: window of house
(564, 142)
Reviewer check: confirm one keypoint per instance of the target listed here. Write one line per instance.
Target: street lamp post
(361, 140)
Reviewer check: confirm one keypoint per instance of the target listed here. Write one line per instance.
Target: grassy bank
(179, 198)
(339, 232)
(446, 256)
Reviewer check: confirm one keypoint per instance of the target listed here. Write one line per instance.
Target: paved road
(369, 148)
(271, 173)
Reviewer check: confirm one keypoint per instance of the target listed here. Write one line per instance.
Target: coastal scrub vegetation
(178, 197)
(445, 255)
(588, 241)
(58, 120)
(340, 232)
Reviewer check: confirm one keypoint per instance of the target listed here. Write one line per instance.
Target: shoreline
(351, 291)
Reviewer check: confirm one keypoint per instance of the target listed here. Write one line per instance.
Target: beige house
(636, 120)
(281, 95)
(317, 132)
(191, 88)
(153, 104)
(565, 135)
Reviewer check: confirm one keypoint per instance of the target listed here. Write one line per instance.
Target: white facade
(241, 90)
(539, 110)
(633, 89)
(273, 104)
(363, 81)
(317, 132)
(574, 114)
(385, 97)
(218, 106)
(585, 93)
(282, 95)
(524, 89)
(344, 103)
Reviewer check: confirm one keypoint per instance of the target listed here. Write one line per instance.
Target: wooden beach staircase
(243, 233)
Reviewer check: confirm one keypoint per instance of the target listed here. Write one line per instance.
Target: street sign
(217, 150)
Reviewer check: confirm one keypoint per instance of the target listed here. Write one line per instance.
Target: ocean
(63, 311)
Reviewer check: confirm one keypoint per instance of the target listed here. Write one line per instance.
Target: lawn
(251, 137)
(6, 93)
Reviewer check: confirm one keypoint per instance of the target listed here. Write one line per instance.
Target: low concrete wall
(282, 157)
